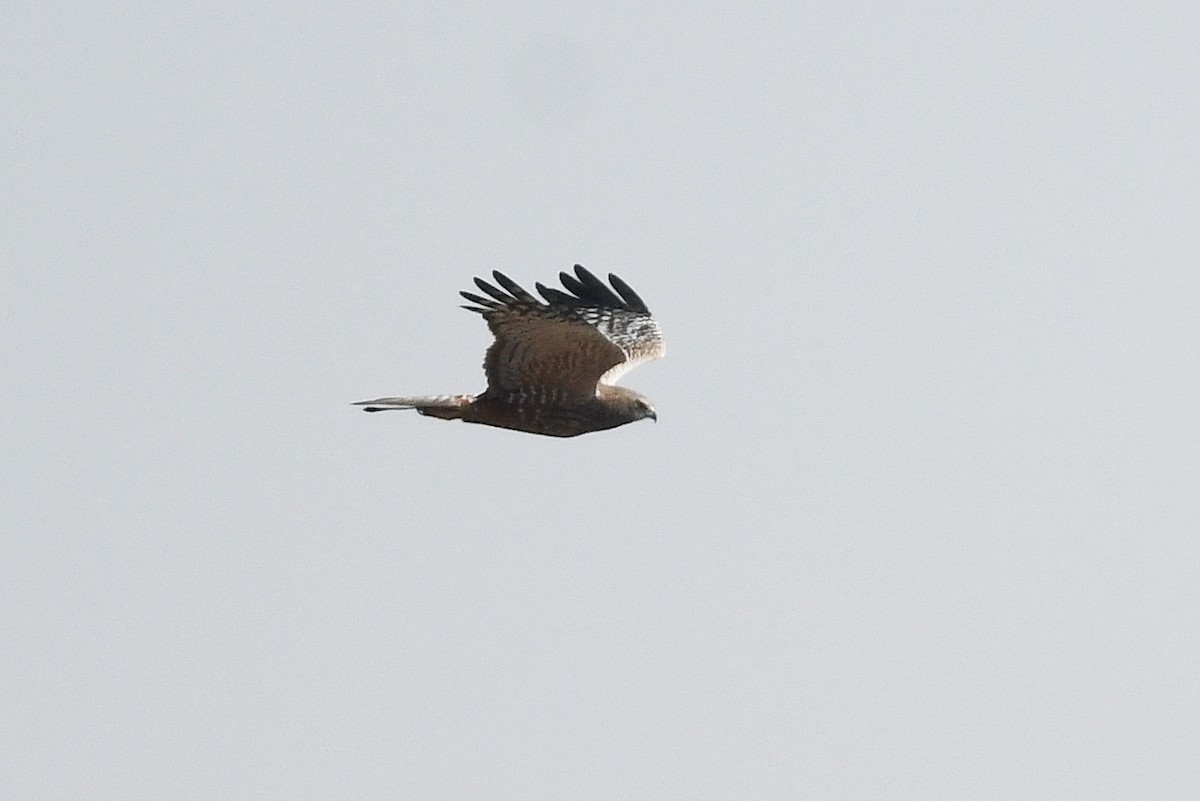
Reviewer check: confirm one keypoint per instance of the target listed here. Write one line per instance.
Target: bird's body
(553, 366)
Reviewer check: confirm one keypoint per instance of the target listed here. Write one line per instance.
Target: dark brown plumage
(553, 367)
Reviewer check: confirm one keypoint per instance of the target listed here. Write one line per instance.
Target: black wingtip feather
(554, 296)
(514, 289)
(482, 305)
(589, 289)
(596, 286)
(484, 286)
(631, 298)
(572, 284)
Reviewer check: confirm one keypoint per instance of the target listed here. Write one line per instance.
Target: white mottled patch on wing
(654, 349)
(637, 335)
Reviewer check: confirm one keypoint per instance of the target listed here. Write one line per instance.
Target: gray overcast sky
(919, 517)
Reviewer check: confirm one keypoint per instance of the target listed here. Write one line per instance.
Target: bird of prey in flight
(554, 365)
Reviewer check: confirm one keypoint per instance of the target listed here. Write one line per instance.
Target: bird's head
(645, 408)
(625, 405)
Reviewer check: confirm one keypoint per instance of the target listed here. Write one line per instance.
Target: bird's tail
(447, 407)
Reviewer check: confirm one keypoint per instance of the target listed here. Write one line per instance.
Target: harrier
(553, 367)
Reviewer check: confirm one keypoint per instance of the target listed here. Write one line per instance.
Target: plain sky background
(919, 518)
